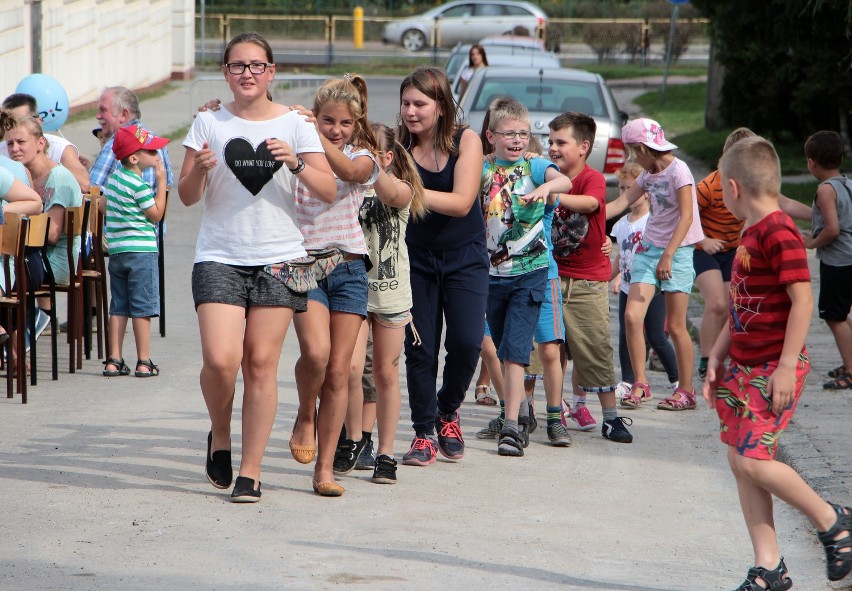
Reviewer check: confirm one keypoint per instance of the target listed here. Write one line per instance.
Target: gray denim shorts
(217, 283)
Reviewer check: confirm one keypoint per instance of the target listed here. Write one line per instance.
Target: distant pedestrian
(832, 237)
(665, 262)
(476, 59)
(756, 397)
(132, 209)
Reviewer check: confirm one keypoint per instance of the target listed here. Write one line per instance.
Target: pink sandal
(686, 400)
(633, 400)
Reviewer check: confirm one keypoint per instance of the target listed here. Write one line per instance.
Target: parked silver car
(548, 93)
(464, 21)
(525, 60)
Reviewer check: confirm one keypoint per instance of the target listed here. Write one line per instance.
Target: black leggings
(655, 332)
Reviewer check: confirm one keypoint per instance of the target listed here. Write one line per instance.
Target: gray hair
(124, 98)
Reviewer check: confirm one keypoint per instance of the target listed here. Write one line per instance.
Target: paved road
(103, 485)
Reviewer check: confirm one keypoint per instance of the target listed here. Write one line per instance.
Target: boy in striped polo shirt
(132, 209)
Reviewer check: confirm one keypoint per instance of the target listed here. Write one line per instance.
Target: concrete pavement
(103, 482)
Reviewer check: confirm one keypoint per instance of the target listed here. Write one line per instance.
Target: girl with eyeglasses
(244, 161)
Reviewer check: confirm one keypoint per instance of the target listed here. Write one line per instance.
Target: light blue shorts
(644, 269)
(551, 326)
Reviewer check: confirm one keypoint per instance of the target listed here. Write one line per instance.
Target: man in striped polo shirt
(132, 210)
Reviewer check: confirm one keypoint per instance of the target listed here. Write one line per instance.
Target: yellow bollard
(358, 28)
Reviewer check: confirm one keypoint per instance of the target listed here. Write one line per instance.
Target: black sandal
(836, 371)
(122, 370)
(842, 381)
(775, 579)
(511, 443)
(153, 370)
(838, 551)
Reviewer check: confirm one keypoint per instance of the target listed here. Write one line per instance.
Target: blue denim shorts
(644, 269)
(345, 290)
(134, 285)
(512, 311)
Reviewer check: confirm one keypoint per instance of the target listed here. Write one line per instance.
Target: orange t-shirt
(716, 220)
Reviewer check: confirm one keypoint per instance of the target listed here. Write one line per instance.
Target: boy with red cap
(132, 209)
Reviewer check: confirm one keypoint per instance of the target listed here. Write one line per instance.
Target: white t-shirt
(249, 208)
(335, 225)
(55, 146)
(628, 238)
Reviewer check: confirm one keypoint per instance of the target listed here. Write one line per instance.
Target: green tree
(788, 63)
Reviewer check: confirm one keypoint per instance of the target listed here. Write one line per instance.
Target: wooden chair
(36, 237)
(75, 220)
(14, 300)
(95, 280)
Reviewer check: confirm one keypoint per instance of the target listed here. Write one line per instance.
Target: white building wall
(90, 44)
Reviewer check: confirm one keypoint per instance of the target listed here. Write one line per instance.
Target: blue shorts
(721, 261)
(345, 290)
(512, 311)
(134, 285)
(551, 326)
(644, 269)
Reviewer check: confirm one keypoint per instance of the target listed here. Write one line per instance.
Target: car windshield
(557, 96)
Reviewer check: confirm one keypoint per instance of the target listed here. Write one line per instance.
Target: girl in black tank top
(449, 264)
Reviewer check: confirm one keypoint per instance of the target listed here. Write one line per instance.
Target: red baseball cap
(129, 140)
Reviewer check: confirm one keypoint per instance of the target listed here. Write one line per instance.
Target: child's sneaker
(558, 435)
(422, 452)
(581, 416)
(493, 429)
(622, 389)
(615, 430)
(450, 439)
(365, 460)
(385, 470)
(511, 443)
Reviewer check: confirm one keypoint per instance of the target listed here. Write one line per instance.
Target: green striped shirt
(126, 227)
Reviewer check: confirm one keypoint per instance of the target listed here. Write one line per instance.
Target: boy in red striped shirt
(771, 306)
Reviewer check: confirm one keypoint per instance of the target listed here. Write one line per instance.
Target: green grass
(801, 192)
(682, 116)
(365, 68)
(619, 71)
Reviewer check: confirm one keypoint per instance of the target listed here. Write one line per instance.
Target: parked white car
(464, 21)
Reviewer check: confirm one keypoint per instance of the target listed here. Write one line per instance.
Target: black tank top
(437, 231)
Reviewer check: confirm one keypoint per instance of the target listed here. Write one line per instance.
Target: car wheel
(413, 40)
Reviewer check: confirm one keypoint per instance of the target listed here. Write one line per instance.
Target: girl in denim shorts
(328, 330)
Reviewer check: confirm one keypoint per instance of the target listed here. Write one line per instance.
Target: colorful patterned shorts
(745, 410)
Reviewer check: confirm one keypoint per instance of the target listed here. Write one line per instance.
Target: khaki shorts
(585, 307)
(534, 370)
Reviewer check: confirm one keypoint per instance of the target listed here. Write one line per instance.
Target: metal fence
(576, 39)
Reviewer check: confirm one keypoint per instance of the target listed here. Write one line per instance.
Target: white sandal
(486, 396)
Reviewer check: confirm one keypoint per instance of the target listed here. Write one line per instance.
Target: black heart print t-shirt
(249, 215)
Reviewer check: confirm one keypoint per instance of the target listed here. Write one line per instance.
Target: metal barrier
(332, 39)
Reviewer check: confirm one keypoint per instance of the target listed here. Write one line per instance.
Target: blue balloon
(51, 99)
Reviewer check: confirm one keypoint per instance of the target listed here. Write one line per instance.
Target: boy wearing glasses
(579, 227)
(517, 197)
